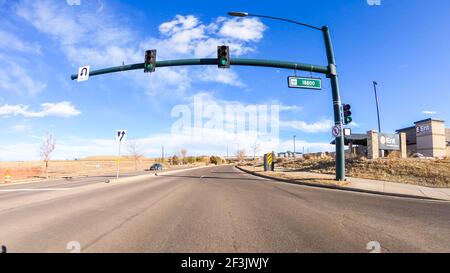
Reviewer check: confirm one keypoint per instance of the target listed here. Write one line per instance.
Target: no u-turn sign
(83, 73)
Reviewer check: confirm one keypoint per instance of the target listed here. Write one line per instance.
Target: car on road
(156, 167)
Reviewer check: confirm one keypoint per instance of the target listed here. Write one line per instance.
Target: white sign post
(347, 132)
(120, 136)
(83, 73)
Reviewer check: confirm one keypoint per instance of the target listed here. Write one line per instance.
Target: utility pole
(162, 154)
(376, 100)
(294, 145)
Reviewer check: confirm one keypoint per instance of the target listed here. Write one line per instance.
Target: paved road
(27, 188)
(218, 209)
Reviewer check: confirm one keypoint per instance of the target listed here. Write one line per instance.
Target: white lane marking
(47, 189)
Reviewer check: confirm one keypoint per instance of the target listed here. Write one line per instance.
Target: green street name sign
(305, 83)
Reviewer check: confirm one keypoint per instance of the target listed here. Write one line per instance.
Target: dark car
(156, 167)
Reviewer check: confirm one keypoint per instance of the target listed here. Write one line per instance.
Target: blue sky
(402, 44)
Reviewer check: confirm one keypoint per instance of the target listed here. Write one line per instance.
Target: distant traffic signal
(223, 56)
(347, 114)
(150, 61)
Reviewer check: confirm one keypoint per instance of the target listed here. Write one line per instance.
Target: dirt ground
(425, 172)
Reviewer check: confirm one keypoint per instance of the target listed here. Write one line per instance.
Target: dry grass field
(425, 172)
(91, 166)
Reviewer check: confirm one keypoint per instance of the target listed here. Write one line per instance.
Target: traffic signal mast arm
(329, 71)
(214, 61)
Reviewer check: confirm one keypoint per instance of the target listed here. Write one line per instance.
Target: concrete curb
(339, 187)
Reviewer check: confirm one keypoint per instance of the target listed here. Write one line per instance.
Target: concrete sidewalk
(357, 184)
(399, 188)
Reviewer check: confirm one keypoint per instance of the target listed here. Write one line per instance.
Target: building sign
(389, 142)
(422, 129)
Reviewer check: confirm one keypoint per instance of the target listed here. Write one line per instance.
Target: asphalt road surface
(215, 209)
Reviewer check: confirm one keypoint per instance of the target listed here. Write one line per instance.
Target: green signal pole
(332, 74)
(330, 71)
(340, 152)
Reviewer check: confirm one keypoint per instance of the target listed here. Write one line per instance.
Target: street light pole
(332, 74)
(376, 100)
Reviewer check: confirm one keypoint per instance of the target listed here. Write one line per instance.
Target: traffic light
(347, 114)
(223, 56)
(150, 61)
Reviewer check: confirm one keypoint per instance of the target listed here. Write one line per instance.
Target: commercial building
(427, 137)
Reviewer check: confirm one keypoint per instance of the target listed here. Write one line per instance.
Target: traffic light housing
(150, 61)
(223, 56)
(347, 114)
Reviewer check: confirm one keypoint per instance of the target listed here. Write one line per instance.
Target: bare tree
(183, 155)
(240, 155)
(135, 150)
(255, 148)
(47, 147)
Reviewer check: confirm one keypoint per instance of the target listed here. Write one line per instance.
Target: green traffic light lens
(223, 61)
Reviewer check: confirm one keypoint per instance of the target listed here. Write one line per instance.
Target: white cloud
(316, 127)
(14, 78)
(199, 140)
(60, 109)
(11, 41)
(428, 112)
(97, 37)
(247, 29)
(20, 128)
(171, 84)
(92, 37)
(290, 108)
(225, 76)
(187, 36)
(19, 151)
(311, 147)
(214, 142)
(179, 24)
(84, 34)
